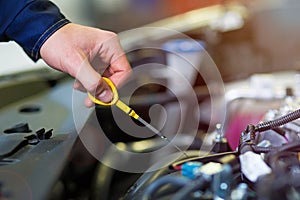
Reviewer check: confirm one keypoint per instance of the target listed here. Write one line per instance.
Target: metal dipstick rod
(129, 111)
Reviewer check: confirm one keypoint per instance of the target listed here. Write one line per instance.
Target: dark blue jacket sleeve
(30, 23)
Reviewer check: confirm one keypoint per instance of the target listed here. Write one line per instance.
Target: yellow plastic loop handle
(114, 91)
(120, 104)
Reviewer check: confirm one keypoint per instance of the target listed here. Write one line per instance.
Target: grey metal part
(34, 169)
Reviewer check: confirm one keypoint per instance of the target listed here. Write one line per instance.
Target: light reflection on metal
(185, 22)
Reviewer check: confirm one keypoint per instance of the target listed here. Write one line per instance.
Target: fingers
(117, 67)
(78, 86)
(88, 102)
(91, 81)
(118, 71)
(103, 91)
(105, 96)
(81, 52)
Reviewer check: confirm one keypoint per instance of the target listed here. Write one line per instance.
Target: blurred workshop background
(242, 38)
(265, 40)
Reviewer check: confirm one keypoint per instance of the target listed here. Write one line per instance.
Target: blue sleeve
(30, 23)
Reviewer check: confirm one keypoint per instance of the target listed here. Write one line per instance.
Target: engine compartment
(264, 164)
(239, 132)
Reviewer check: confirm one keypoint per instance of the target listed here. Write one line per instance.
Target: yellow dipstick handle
(129, 111)
(115, 101)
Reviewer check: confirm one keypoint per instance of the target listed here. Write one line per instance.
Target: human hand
(87, 54)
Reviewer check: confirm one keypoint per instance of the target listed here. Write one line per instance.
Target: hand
(87, 54)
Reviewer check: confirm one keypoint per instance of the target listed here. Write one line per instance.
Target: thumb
(93, 82)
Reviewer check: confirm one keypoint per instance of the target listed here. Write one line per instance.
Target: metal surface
(34, 169)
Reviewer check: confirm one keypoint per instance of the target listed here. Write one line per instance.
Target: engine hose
(278, 122)
(294, 147)
(258, 149)
(159, 183)
(199, 184)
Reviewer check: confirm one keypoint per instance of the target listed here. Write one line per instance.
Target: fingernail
(104, 96)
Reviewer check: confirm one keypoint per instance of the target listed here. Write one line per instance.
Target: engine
(263, 165)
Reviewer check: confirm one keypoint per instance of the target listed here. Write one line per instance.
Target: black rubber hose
(258, 149)
(278, 122)
(186, 191)
(287, 150)
(156, 185)
(294, 147)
